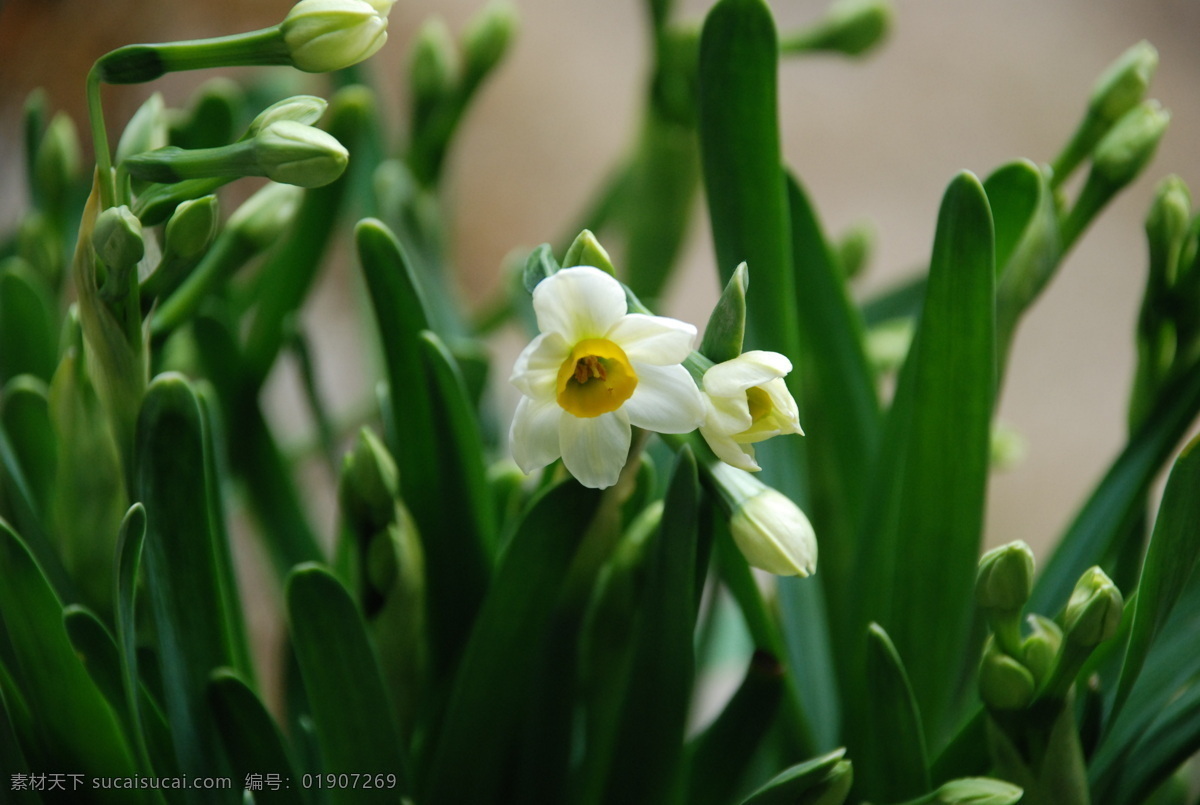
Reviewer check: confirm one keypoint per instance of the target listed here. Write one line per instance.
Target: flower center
(759, 402)
(596, 378)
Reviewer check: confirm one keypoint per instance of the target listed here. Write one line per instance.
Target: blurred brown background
(958, 85)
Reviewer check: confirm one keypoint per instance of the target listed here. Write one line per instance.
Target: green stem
(100, 139)
(137, 64)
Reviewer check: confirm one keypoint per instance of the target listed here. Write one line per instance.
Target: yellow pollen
(596, 378)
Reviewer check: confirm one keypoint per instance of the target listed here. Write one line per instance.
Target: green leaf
(28, 327)
(740, 156)
(453, 536)
(472, 750)
(894, 765)
(185, 575)
(841, 410)
(649, 741)
(340, 668)
(95, 647)
(900, 301)
(252, 741)
(76, 727)
(26, 418)
(1116, 503)
(1170, 560)
(130, 540)
(1171, 740)
(720, 755)
(931, 476)
(11, 754)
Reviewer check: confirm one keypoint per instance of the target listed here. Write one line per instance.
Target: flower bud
(293, 153)
(146, 130)
(57, 166)
(726, 329)
(303, 109)
(1040, 649)
(1123, 85)
(852, 27)
(368, 486)
(823, 780)
(1094, 612)
(1131, 143)
(192, 227)
(433, 69)
(770, 530)
(1005, 578)
(977, 791)
(1004, 684)
(585, 250)
(117, 239)
(854, 248)
(263, 217)
(327, 35)
(486, 40)
(1167, 229)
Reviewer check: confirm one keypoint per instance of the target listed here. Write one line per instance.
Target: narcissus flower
(327, 35)
(594, 371)
(747, 402)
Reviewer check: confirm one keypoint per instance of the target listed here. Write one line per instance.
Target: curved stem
(100, 139)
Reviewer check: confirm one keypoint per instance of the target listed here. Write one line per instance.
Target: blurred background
(957, 85)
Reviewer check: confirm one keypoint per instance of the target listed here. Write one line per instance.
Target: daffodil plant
(535, 606)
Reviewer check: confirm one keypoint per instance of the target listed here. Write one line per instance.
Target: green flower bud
(146, 130)
(304, 109)
(487, 39)
(433, 69)
(263, 217)
(293, 153)
(1004, 683)
(854, 248)
(1167, 229)
(57, 166)
(327, 35)
(1131, 143)
(192, 227)
(117, 239)
(1005, 578)
(1007, 447)
(770, 530)
(368, 486)
(1123, 85)
(585, 250)
(852, 27)
(1094, 612)
(976, 791)
(1040, 649)
(823, 780)
(726, 328)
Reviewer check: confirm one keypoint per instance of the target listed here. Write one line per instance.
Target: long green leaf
(130, 540)
(77, 729)
(1116, 502)
(894, 766)
(825, 776)
(646, 762)
(94, 645)
(184, 575)
(1170, 560)
(456, 562)
(28, 327)
(1173, 738)
(740, 157)
(921, 539)
(348, 701)
(11, 754)
(25, 411)
(252, 740)
(472, 749)
(841, 410)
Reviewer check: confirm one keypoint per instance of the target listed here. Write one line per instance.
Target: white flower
(747, 402)
(327, 35)
(769, 529)
(594, 371)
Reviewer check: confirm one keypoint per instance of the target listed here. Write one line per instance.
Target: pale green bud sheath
(851, 28)
(726, 329)
(1116, 161)
(1118, 89)
(585, 250)
(1003, 584)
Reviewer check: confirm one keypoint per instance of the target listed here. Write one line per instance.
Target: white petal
(730, 451)
(656, 340)
(727, 415)
(578, 303)
(536, 370)
(666, 400)
(595, 448)
(748, 369)
(775, 535)
(533, 436)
